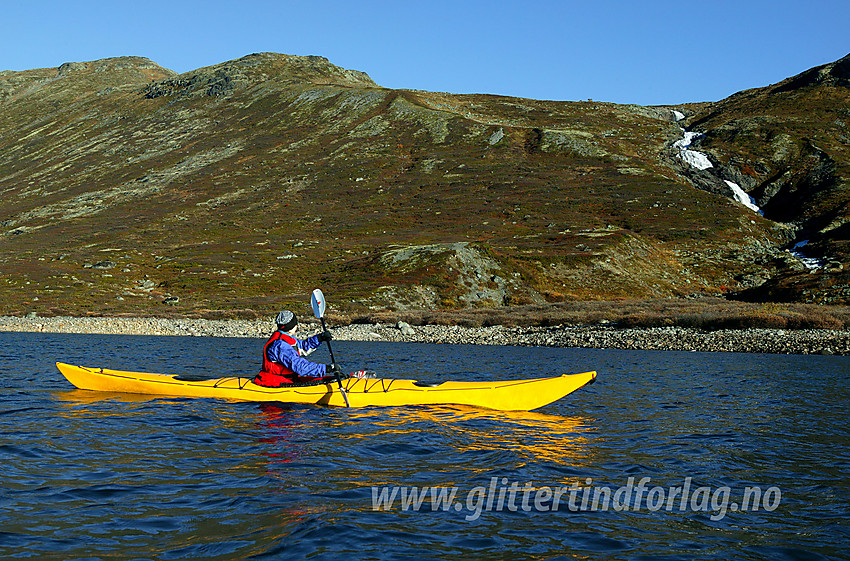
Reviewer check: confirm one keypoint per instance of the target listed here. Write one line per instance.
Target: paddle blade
(318, 302)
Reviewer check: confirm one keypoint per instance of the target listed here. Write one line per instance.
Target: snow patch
(678, 115)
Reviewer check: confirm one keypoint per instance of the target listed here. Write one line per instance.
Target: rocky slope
(788, 145)
(241, 186)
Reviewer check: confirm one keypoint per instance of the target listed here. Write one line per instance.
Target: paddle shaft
(330, 350)
(334, 364)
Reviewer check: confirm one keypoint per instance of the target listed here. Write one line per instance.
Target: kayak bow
(509, 395)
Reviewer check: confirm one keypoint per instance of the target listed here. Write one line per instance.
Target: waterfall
(701, 161)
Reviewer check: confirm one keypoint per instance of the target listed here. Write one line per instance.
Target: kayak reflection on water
(279, 426)
(532, 435)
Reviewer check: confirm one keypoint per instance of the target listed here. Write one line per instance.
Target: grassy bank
(703, 313)
(706, 313)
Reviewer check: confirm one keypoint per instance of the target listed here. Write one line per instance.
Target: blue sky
(649, 52)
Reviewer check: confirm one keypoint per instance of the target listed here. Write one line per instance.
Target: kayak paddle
(318, 302)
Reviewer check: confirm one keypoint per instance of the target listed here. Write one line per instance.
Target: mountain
(239, 187)
(788, 145)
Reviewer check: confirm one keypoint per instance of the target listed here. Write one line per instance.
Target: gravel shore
(808, 341)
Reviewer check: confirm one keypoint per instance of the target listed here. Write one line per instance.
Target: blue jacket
(284, 353)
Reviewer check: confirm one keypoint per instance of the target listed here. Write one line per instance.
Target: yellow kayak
(510, 395)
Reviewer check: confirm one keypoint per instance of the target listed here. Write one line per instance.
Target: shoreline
(753, 340)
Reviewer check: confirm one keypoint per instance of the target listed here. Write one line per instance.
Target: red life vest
(274, 374)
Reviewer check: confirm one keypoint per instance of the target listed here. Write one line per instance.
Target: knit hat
(286, 320)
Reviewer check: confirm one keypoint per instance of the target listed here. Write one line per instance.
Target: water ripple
(90, 475)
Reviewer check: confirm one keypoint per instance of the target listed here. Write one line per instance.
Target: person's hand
(325, 336)
(332, 369)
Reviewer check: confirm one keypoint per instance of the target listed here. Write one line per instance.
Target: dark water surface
(88, 475)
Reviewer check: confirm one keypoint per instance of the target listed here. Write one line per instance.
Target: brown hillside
(788, 145)
(244, 185)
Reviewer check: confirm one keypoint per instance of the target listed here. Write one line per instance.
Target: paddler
(283, 356)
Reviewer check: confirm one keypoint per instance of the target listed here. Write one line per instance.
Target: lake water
(666, 456)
